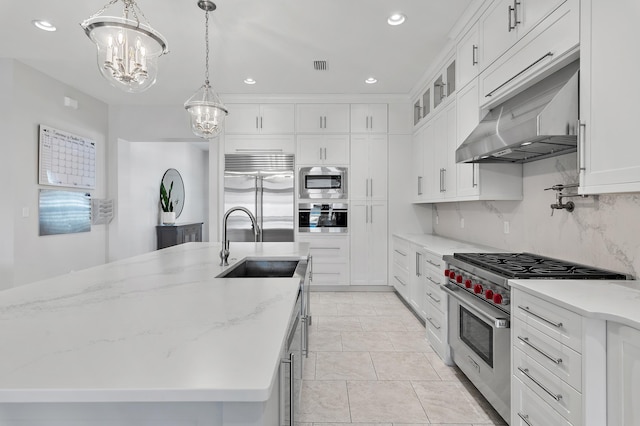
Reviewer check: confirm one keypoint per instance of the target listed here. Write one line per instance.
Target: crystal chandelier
(206, 110)
(128, 49)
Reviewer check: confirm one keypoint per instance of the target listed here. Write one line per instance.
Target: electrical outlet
(462, 222)
(506, 226)
(25, 212)
(437, 220)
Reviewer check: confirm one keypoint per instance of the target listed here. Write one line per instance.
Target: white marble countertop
(617, 301)
(155, 327)
(440, 246)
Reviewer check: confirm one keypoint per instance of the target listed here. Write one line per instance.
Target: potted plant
(168, 215)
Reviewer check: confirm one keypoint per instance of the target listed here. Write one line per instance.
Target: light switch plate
(506, 226)
(462, 222)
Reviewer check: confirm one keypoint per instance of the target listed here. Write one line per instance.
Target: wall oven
(323, 182)
(323, 217)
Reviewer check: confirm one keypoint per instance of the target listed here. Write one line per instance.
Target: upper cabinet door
(322, 118)
(467, 57)
(497, 30)
(369, 118)
(531, 12)
(608, 148)
(242, 119)
(277, 119)
(255, 119)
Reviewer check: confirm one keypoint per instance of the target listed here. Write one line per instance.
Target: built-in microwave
(323, 182)
(323, 217)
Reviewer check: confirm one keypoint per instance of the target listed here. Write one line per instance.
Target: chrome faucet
(224, 253)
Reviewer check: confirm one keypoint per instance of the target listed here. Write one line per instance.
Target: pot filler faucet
(224, 253)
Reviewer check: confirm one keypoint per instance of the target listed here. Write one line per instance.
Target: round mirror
(172, 192)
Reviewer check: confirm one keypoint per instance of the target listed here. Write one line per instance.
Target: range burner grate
(529, 265)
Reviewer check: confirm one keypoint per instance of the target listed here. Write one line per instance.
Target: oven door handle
(472, 305)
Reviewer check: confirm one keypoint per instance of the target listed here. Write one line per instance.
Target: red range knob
(446, 272)
(467, 283)
(459, 279)
(452, 274)
(497, 298)
(477, 289)
(488, 294)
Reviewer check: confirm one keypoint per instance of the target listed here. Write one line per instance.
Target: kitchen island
(151, 340)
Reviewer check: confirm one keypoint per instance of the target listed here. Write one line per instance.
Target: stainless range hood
(538, 123)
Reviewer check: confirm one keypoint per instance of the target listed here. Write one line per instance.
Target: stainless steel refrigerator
(264, 184)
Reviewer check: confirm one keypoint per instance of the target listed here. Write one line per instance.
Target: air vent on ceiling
(320, 65)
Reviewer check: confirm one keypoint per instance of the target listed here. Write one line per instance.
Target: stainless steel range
(479, 312)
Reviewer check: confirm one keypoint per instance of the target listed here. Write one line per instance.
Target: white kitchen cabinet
(608, 152)
(439, 156)
(368, 230)
(418, 167)
(436, 308)
(401, 267)
(323, 149)
(506, 21)
(322, 118)
(369, 118)
(368, 180)
(623, 374)
(547, 358)
(550, 45)
(481, 181)
(445, 83)
(330, 259)
(254, 119)
(468, 57)
(246, 144)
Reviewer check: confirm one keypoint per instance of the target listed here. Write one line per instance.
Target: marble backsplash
(602, 231)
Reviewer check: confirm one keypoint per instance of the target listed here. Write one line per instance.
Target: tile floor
(370, 365)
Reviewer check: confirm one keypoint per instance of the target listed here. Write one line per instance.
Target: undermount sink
(262, 268)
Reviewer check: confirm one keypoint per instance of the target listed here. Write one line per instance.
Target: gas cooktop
(528, 265)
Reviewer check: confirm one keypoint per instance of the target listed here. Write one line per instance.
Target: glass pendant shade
(206, 112)
(128, 51)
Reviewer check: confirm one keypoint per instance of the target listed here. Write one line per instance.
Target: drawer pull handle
(525, 418)
(437, 265)
(528, 310)
(518, 74)
(399, 252)
(433, 298)
(525, 371)
(433, 281)
(437, 327)
(526, 341)
(325, 248)
(399, 280)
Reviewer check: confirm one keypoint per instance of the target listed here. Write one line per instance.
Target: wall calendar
(66, 159)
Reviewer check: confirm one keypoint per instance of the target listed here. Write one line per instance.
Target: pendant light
(206, 110)
(128, 49)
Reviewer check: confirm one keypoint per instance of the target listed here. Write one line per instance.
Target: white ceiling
(273, 41)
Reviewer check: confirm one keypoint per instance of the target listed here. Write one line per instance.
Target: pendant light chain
(206, 36)
(101, 11)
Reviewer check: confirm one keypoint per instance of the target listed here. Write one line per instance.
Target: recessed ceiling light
(249, 81)
(371, 80)
(44, 25)
(396, 19)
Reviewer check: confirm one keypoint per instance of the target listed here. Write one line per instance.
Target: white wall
(602, 231)
(140, 190)
(38, 99)
(7, 145)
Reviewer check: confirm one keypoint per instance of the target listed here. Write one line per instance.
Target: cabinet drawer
(526, 406)
(436, 330)
(402, 253)
(330, 273)
(327, 249)
(433, 276)
(435, 296)
(559, 359)
(554, 391)
(434, 261)
(556, 322)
